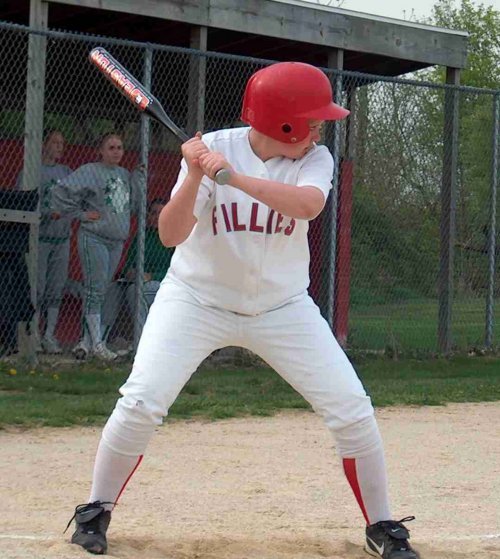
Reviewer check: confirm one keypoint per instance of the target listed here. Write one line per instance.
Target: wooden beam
(314, 24)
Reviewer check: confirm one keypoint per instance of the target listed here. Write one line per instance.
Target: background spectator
(105, 194)
(53, 246)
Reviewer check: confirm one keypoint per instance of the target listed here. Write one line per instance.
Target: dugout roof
(271, 29)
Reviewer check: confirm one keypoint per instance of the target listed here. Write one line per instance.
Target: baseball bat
(140, 97)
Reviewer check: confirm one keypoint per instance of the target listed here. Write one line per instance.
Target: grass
(412, 325)
(86, 394)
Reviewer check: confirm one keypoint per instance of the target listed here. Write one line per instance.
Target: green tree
(399, 155)
(483, 25)
(475, 134)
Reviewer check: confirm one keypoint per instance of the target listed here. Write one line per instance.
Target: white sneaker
(51, 345)
(102, 352)
(81, 351)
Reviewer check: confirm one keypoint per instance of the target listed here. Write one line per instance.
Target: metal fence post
(493, 215)
(33, 138)
(335, 61)
(345, 178)
(197, 81)
(142, 197)
(448, 210)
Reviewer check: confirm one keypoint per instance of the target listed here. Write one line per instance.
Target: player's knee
(140, 409)
(127, 432)
(355, 405)
(132, 424)
(358, 439)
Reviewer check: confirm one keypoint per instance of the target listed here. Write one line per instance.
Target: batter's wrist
(194, 178)
(236, 179)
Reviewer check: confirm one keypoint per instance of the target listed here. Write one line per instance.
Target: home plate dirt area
(260, 488)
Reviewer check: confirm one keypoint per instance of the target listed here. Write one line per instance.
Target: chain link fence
(400, 166)
(80, 257)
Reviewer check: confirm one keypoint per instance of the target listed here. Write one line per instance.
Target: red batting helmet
(281, 99)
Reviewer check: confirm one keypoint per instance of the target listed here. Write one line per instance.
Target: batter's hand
(192, 150)
(212, 162)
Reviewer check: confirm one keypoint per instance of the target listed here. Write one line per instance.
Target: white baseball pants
(294, 339)
(180, 333)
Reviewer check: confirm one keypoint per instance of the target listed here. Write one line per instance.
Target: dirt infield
(260, 488)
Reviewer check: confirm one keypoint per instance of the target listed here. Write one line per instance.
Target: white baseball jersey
(243, 256)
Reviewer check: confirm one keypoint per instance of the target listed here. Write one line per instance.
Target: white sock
(93, 324)
(112, 472)
(368, 480)
(362, 452)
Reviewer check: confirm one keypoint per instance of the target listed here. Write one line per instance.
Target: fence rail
(377, 250)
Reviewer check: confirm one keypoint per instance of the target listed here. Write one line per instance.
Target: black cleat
(92, 522)
(389, 540)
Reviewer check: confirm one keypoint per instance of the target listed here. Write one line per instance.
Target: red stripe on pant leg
(352, 478)
(128, 479)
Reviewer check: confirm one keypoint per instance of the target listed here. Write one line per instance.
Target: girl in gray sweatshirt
(106, 195)
(53, 240)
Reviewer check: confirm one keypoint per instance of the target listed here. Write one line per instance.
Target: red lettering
(232, 223)
(278, 224)
(116, 76)
(253, 219)
(290, 228)
(131, 89)
(226, 218)
(269, 227)
(99, 58)
(234, 211)
(214, 221)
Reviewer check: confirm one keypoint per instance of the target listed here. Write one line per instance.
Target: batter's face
(111, 150)
(298, 150)
(54, 147)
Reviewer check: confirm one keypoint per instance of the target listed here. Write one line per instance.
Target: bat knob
(222, 176)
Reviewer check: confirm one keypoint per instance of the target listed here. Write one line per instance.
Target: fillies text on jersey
(261, 220)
